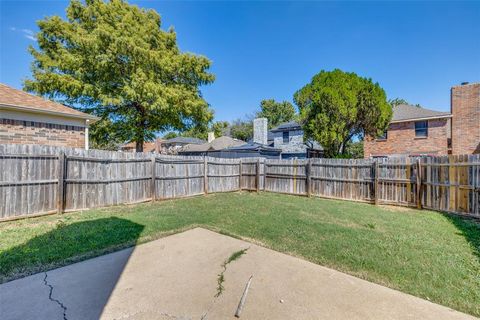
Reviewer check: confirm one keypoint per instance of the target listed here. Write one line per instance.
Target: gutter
(43, 111)
(421, 119)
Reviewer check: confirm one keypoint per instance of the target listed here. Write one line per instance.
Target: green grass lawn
(424, 253)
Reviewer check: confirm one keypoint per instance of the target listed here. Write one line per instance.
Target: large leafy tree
(337, 106)
(113, 59)
(276, 112)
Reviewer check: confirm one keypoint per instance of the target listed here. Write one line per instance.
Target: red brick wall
(401, 140)
(29, 132)
(466, 119)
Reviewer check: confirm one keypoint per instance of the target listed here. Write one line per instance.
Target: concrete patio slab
(176, 278)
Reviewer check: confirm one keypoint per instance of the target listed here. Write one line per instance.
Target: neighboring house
(250, 150)
(289, 137)
(210, 148)
(227, 147)
(172, 146)
(151, 146)
(30, 119)
(417, 131)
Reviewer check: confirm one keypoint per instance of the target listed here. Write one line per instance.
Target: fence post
(154, 178)
(419, 184)
(308, 172)
(61, 183)
(205, 175)
(408, 177)
(258, 176)
(377, 196)
(240, 174)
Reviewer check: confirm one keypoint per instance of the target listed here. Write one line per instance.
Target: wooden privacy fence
(42, 179)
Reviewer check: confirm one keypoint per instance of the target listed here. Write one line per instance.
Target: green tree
(105, 135)
(241, 129)
(397, 101)
(336, 106)
(170, 135)
(355, 149)
(112, 59)
(276, 112)
(220, 128)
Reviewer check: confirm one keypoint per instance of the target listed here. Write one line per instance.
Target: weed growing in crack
(221, 278)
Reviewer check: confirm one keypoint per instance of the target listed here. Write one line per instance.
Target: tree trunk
(139, 146)
(142, 123)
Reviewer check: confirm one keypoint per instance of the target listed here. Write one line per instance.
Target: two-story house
(289, 138)
(418, 131)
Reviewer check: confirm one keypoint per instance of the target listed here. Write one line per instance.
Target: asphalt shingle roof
(254, 146)
(404, 112)
(217, 144)
(185, 140)
(287, 126)
(17, 98)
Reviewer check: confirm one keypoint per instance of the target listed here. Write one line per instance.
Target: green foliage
(170, 135)
(276, 112)
(221, 277)
(220, 128)
(113, 60)
(104, 135)
(241, 129)
(336, 106)
(397, 101)
(354, 150)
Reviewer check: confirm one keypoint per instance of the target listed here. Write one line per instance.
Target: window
(383, 136)
(421, 129)
(285, 137)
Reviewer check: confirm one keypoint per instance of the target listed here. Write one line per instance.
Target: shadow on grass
(88, 284)
(468, 228)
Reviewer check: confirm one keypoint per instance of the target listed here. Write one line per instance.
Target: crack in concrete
(55, 300)
(221, 279)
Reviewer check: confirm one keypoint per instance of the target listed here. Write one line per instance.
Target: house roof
(254, 146)
(184, 140)
(15, 99)
(147, 146)
(217, 144)
(287, 126)
(405, 112)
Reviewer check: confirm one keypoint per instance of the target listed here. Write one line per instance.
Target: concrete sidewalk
(176, 278)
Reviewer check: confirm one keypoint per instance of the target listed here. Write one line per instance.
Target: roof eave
(50, 112)
(422, 118)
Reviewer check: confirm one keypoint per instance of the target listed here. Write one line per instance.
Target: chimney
(465, 123)
(211, 136)
(260, 130)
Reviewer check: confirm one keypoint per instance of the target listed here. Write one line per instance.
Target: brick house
(419, 131)
(29, 119)
(149, 146)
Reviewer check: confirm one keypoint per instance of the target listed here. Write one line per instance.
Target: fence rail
(42, 179)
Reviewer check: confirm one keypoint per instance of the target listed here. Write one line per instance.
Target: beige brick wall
(466, 119)
(29, 132)
(401, 140)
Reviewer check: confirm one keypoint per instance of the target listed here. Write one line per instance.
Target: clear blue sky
(415, 50)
